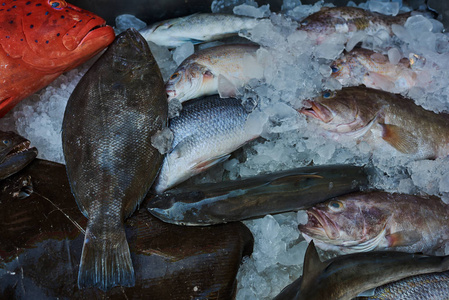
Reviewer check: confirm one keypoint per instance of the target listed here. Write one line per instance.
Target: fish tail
(105, 261)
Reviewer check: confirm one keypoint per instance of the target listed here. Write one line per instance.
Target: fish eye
(328, 95)
(335, 68)
(6, 142)
(59, 4)
(174, 76)
(335, 205)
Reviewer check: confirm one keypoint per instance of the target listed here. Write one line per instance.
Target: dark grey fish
(204, 133)
(345, 277)
(110, 118)
(15, 153)
(427, 286)
(214, 203)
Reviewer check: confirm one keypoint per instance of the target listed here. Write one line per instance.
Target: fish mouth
(319, 225)
(170, 94)
(20, 149)
(317, 111)
(95, 28)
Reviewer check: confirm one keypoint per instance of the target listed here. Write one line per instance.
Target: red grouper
(41, 39)
(115, 109)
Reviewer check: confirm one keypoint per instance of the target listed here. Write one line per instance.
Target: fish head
(324, 23)
(52, 35)
(346, 221)
(348, 111)
(15, 153)
(190, 81)
(129, 50)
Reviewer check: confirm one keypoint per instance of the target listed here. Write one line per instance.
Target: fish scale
(110, 118)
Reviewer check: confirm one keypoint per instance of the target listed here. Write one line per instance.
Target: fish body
(349, 20)
(196, 28)
(374, 70)
(369, 221)
(354, 111)
(346, 276)
(15, 153)
(204, 134)
(116, 108)
(216, 70)
(39, 40)
(236, 200)
(427, 286)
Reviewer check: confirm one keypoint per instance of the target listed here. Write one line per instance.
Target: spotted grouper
(110, 118)
(41, 39)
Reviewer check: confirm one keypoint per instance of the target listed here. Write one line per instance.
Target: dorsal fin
(312, 265)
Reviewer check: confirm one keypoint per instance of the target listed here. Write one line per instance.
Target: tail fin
(105, 262)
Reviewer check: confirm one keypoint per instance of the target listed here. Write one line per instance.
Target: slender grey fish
(205, 132)
(346, 276)
(15, 153)
(360, 222)
(196, 28)
(236, 200)
(427, 286)
(110, 118)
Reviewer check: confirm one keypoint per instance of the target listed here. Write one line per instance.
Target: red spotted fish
(41, 39)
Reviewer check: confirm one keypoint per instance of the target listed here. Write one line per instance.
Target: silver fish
(345, 277)
(427, 286)
(110, 118)
(216, 70)
(196, 28)
(204, 134)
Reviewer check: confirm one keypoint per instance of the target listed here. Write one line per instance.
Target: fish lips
(16, 159)
(319, 224)
(317, 110)
(95, 27)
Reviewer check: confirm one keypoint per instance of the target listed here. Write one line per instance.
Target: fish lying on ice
(345, 277)
(216, 70)
(374, 70)
(361, 222)
(236, 200)
(427, 286)
(354, 111)
(40, 40)
(196, 28)
(348, 20)
(15, 153)
(115, 109)
(204, 134)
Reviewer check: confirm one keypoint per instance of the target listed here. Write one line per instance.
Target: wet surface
(41, 243)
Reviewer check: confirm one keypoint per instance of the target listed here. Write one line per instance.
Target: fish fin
(378, 81)
(206, 164)
(312, 265)
(226, 88)
(403, 238)
(105, 263)
(367, 293)
(401, 139)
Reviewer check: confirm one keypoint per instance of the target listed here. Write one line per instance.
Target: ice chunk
(162, 140)
(302, 217)
(394, 55)
(164, 60)
(174, 107)
(358, 37)
(386, 8)
(125, 21)
(182, 52)
(251, 11)
(418, 24)
(225, 6)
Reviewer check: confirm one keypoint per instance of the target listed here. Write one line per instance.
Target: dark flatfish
(41, 241)
(108, 123)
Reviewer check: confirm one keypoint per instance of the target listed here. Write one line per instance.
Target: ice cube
(386, 8)
(125, 21)
(251, 11)
(182, 52)
(394, 55)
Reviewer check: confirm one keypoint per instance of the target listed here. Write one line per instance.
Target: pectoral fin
(403, 238)
(226, 88)
(312, 266)
(401, 139)
(206, 164)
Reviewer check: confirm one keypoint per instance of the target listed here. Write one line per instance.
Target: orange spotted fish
(41, 39)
